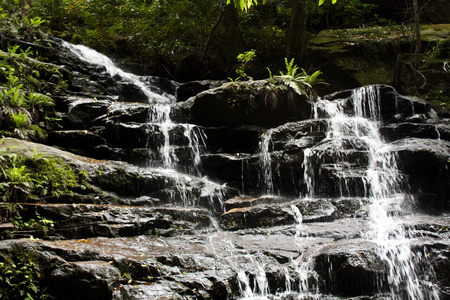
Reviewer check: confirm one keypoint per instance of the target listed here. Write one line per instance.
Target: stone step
(74, 221)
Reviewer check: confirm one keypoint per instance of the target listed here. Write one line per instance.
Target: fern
(300, 83)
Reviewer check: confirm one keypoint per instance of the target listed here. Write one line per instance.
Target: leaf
(321, 2)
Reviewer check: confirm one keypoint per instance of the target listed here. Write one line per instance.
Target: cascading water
(159, 112)
(356, 121)
(353, 158)
(266, 177)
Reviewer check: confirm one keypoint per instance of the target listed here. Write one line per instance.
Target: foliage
(244, 59)
(38, 177)
(40, 224)
(244, 5)
(344, 14)
(19, 276)
(24, 107)
(16, 181)
(322, 1)
(301, 83)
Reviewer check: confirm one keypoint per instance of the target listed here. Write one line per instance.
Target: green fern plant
(20, 120)
(300, 83)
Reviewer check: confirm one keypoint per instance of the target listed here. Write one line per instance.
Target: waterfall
(347, 161)
(266, 176)
(355, 122)
(159, 114)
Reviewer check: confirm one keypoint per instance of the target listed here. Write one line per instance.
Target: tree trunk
(230, 37)
(296, 36)
(417, 41)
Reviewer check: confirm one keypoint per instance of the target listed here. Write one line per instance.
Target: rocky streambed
(215, 190)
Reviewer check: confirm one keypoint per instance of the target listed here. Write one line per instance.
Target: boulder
(246, 103)
(189, 89)
(426, 164)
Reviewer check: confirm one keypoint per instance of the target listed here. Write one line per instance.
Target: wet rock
(351, 268)
(84, 280)
(241, 202)
(245, 104)
(82, 111)
(258, 216)
(129, 92)
(189, 89)
(349, 207)
(393, 106)
(155, 290)
(426, 163)
(427, 131)
(79, 221)
(79, 141)
(316, 210)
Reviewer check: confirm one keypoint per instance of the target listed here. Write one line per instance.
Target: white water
(159, 113)
(266, 176)
(381, 178)
(382, 185)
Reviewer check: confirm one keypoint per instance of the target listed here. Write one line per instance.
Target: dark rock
(82, 111)
(398, 131)
(351, 268)
(426, 163)
(241, 202)
(246, 104)
(316, 210)
(129, 92)
(79, 141)
(84, 280)
(258, 216)
(393, 106)
(189, 89)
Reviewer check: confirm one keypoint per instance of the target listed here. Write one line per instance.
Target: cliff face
(238, 190)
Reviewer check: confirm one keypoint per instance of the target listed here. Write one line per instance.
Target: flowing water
(159, 114)
(353, 127)
(355, 123)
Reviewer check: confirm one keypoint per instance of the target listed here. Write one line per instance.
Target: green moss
(37, 177)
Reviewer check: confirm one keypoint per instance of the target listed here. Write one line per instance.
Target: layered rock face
(242, 191)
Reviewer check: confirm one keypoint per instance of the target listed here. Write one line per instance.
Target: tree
(296, 35)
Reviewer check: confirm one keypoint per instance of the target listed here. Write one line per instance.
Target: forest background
(189, 40)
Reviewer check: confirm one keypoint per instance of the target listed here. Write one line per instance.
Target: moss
(45, 177)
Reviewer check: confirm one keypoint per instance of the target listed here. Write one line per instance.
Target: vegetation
(158, 34)
(301, 83)
(26, 84)
(35, 178)
(20, 276)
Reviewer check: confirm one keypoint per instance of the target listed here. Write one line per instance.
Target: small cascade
(188, 144)
(266, 176)
(354, 124)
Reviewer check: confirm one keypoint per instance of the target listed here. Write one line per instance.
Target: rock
(426, 163)
(398, 131)
(351, 268)
(393, 106)
(84, 280)
(258, 216)
(242, 202)
(316, 210)
(82, 111)
(72, 221)
(79, 141)
(129, 92)
(189, 89)
(247, 103)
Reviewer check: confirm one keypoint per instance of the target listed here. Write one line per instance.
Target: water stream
(353, 128)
